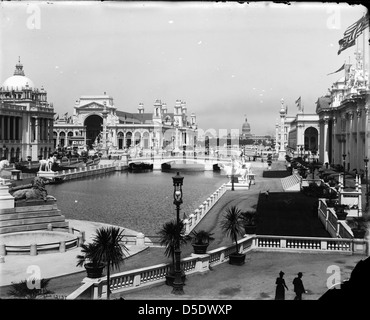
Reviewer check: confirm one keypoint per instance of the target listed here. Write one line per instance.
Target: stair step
(31, 227)
(25, 215)
(26, 221)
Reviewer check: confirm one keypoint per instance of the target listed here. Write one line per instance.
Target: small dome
(17, 82)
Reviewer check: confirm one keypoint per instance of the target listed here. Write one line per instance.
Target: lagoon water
(138, 201)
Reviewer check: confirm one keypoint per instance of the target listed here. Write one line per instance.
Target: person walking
(280, 287)
(298, 287)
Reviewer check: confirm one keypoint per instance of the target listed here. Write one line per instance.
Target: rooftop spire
(19, 68)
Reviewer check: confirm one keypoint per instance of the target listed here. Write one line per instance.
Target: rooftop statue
(36, 192)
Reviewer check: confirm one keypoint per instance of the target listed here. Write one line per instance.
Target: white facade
(98, 123)
(26, 119)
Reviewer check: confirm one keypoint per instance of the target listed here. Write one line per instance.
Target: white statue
(46, 165)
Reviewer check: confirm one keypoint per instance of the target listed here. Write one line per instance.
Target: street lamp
(177, 196)
(366, 160)
(344, 170)
(232, 175)
(4, 151)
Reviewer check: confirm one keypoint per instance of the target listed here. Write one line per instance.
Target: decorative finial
(19, 68)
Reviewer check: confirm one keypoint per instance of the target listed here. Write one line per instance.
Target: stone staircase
(292, 183)
(31, 216)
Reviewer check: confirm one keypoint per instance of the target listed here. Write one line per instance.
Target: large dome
(17, 82)
(246, 128)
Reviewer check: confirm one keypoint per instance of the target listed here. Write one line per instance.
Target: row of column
(11, 128)
(41, 129)
(346, 138)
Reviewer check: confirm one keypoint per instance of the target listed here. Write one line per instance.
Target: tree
(107, 248)
(168, 238)
(232, 224)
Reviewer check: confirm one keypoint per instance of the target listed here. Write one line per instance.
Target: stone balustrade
(194, 218)
(336, 228)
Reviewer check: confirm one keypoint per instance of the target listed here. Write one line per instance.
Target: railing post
(283, 243)
(62, 246)
(324, 245)
(209, 203)
(137, 280)
(187, 226)
(140, 239)
(33, 249)
(2, 249)
(80, 241)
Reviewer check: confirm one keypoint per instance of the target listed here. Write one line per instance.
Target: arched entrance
(94, 125)
(120, 140)
(311, 139)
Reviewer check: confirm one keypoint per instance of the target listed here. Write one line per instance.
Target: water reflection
(138, 201)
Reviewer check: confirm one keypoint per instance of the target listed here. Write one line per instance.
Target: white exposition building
(26, 119)
(96, 121)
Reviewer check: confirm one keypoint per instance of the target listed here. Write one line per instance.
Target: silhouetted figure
(267, 194)
(280, 287)
(298, 287)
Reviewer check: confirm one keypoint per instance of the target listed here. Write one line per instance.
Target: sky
(226, 60)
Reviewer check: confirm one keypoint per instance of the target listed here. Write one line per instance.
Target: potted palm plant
(200, 240)
(106, 250)
(168, 235)
(232, 225)
(87, 258)
(359, 226)
(249, 221)
(340, 211)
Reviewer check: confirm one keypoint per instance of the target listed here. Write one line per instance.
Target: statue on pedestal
(36, 192)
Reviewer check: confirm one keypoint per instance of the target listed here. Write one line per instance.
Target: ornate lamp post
(344, 170)
(4, 152)
(232, 174)
(366, 160)
(177, 196)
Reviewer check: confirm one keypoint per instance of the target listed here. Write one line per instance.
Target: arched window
(146, 140)
(128, 139)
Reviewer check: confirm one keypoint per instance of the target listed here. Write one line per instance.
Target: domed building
(26, 119)
(246, 130)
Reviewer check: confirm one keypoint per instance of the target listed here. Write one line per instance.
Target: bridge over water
(157, 161)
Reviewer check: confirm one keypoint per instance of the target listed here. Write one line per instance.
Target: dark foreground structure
(356, 288)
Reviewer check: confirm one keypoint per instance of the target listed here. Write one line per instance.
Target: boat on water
(139, 167)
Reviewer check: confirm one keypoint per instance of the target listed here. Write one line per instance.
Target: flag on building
(57, 117)
(298, 103)
(352, 32)
(340, 69)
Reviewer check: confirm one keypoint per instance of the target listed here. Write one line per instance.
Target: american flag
(352, 32)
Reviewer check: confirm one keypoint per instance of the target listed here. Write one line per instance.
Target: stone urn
(94, 271)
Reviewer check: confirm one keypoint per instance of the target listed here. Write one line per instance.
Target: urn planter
(94, 271)
(237, 259)
(170, 278)
(200, 248)
(359, 233)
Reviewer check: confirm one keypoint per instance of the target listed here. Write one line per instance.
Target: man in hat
(298, 286)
